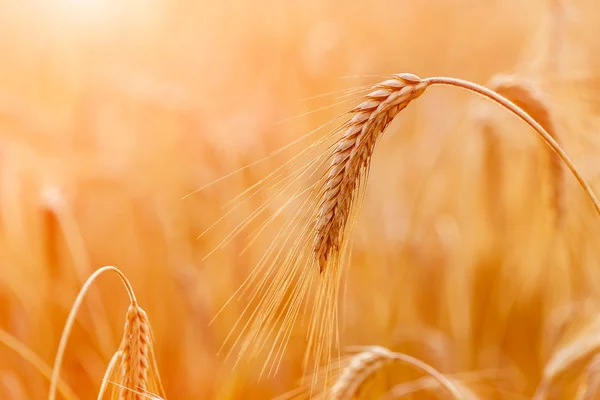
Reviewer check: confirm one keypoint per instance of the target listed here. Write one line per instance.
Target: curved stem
(509, 105)
(62, 345)
(429, 370)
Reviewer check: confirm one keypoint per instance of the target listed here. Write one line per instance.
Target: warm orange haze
(283, 198)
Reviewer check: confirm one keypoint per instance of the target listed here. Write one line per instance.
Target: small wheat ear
(132, 370)
(372, 359)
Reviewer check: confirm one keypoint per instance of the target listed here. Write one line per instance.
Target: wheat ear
(530, 98)
(365, 364)
(352, 155)
(36, 362)
(135, 362)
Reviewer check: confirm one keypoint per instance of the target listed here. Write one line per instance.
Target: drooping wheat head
(361, 367)
(356, 370)
(352, 156)
(136, 347)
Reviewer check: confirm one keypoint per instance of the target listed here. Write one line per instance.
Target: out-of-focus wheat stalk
(530, 98)
(27, 354)
(583, 346)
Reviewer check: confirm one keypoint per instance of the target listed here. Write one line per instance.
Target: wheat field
(282, 199)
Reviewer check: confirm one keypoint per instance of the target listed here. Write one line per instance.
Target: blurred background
(112, 111)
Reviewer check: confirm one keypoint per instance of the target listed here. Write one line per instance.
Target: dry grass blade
(530, 98)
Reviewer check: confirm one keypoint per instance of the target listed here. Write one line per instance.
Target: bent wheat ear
(372, 359)
(352, 156)
(136, 350)
(36, 362)
(356, 370)
(585, 346)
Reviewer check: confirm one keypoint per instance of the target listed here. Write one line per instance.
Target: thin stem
(116, 358)
(429, 370)
(509, 105)
(71, 320)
